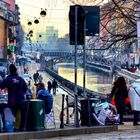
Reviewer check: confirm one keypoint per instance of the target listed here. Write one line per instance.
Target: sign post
(79, 28)
(76, 122)
(138, 33)
(76, 16)
(91, 28)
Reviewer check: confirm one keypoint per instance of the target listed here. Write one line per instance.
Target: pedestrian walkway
(123, 132)
(57, 103)
(51, 133)
(57, 98)
(131, 134)
(127, 131)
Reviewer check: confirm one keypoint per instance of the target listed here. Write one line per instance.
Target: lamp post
(76, 122)
(29, 23)
(43, 12)
(36, 21)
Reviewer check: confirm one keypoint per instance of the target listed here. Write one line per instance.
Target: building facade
(9, 19)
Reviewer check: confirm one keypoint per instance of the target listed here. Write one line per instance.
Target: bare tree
(118, 20)
(87, 2)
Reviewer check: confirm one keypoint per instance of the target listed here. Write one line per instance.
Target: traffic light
(10, 48)
(80, 25)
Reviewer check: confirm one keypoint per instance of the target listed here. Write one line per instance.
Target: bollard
(89, 111)
(62, 117)
(67, 103)
(76, 120)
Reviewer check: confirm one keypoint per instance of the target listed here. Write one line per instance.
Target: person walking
(17, 88)
(119, 93)
(36, 77)
(49, 86)
(54, 86)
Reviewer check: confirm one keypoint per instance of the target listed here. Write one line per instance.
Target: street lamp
(29, 23)
(36, 21)
(43, 12)
(30, 32)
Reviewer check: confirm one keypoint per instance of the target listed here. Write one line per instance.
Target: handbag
(113, 98)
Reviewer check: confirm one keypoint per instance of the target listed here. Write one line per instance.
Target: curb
(49, 133)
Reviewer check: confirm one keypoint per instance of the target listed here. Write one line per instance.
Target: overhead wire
(40, 7)
(55, 2)
(51, 9)
(24, 15)
(48, 3)
(49, 19)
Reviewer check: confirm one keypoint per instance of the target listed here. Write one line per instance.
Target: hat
(12, 68)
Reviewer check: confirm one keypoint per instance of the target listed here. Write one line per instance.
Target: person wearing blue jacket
(47, 97)
(17, 88)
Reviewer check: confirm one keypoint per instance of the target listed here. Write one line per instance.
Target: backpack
(48, 102)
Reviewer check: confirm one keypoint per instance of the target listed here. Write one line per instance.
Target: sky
(57, 15)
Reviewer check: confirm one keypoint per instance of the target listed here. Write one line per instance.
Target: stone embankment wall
(71, 86)
(114, 70)
(100, 67)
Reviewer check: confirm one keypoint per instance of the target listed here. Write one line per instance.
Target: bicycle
(94, 113)
(68, 114)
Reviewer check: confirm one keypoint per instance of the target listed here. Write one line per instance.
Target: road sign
(80, 24)
(90, 15)
(92, 20)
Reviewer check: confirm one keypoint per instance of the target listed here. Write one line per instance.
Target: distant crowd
(132, 68)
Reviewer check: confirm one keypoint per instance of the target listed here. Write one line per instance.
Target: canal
(95, 81)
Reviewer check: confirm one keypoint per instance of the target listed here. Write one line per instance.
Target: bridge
(47, 50)
(58, 53)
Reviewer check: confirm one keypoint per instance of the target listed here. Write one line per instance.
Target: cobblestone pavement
(131, 135)
(126, 132)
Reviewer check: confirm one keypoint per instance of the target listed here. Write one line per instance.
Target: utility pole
(84, 62)
(76, 122)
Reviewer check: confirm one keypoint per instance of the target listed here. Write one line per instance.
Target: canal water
(95, 81)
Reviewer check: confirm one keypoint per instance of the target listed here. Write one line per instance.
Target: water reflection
(95, 81)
